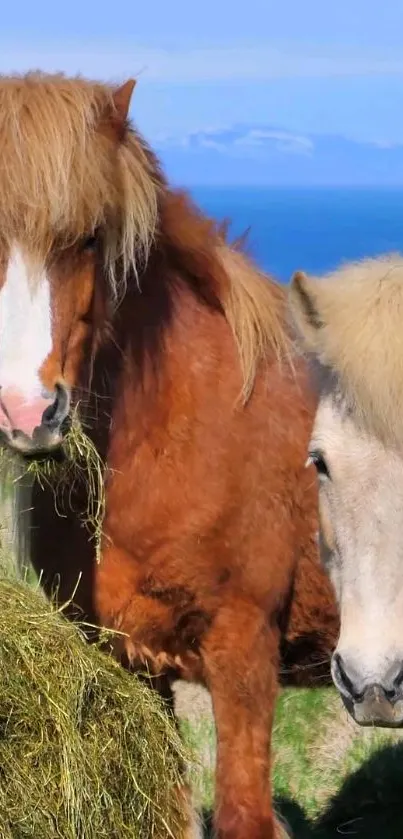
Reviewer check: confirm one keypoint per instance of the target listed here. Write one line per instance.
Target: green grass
(200, 739)
(331, 778)
(300, 719)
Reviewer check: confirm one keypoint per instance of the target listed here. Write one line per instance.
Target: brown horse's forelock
(62, 177)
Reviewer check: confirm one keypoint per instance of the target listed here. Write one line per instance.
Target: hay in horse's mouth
(75, 463)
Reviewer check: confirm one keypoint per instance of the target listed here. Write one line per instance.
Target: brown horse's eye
(88, 244)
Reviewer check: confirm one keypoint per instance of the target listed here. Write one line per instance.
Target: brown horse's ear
(122, 98)
(304, 305)
(114, 121)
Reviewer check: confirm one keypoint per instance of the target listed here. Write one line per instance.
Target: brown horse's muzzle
(37, 426)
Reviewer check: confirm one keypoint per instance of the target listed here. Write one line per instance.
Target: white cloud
(238, 141)
(197, 65)
(283, 140)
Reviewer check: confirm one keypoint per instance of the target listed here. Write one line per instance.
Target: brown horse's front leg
(241, 659)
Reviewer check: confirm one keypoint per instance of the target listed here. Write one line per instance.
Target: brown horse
(119, 297)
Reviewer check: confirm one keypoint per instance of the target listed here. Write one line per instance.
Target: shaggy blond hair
(351, 323)
(61, 178)
(255, 310)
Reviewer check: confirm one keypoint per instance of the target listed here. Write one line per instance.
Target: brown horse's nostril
(56, 414)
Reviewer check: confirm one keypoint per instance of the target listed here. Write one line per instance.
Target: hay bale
(86, 750)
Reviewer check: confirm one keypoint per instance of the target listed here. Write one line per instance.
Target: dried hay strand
(87, 750)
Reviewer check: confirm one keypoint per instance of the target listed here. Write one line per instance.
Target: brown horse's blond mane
(254, 307)
(351, 322)
(61, 179)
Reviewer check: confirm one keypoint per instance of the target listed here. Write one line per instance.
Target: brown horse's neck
(188, 244)
(183, 264)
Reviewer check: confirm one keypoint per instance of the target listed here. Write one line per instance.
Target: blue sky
(305, 65)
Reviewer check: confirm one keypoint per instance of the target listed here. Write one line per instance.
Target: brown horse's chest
(169, 641)
(185, 664)
(162, 620)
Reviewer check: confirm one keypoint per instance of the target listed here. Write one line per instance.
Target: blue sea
(309, 229)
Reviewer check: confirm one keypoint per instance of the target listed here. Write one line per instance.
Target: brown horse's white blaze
(26, 342)
(343, 321)
(43, 331)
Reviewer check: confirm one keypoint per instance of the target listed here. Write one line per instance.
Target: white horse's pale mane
(351, 324)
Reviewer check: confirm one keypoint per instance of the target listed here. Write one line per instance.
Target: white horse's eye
(317, 460)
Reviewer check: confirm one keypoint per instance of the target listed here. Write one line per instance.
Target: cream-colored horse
(350, 324)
